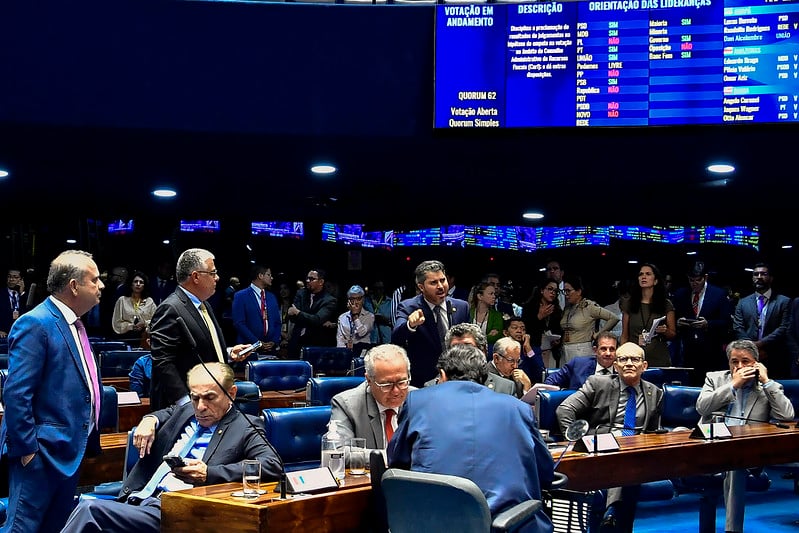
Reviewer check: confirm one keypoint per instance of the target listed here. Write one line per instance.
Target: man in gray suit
(369, 410)
(744, 391)
(468, 333)
(603, 401)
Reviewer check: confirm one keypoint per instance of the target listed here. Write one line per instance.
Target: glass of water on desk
(251, 478)
(358, 458)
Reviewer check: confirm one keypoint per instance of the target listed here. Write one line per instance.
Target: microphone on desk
(775, 424)
(259, 431)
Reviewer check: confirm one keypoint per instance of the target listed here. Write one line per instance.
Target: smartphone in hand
(174, 461)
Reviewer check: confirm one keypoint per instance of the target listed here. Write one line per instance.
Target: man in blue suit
(256, 315)
(424, 440)
(703, 324)
(764, 317)
(576, 372)
(423, 321)
(51, 398)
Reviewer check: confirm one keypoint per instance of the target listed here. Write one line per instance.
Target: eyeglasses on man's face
(386, 387)
(634, 359)
(509, 359)
(568, 291)
(213, 272)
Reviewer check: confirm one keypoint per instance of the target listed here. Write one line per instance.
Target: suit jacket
(311, 317)
(247, 320)
(704, 348)
(174, 354)
(517, 389)
(234, 440)
(598, 400)
(358, 415)
(495, 382)
(768, 403)
(574, 373)
(157, 293)
(47, 395)
(423, 345)
(775, 330)
(6, 310)
(425, 441)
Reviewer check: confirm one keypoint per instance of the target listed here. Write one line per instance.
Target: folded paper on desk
(128, 398)
(716, 430)
(530, 396)
(310, 481)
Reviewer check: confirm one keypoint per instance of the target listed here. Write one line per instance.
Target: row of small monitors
(522, 238)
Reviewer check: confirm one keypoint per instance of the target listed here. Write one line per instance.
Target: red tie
(389, 427)
(696, 304)
(263, 311)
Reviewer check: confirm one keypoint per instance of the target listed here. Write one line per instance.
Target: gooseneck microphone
(258, 431)
(775, 424)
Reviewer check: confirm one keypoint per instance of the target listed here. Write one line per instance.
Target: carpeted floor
(775, 510)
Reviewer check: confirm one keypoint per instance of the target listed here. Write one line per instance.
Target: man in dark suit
(703, 324)
(363, 411)
(210, 433)
(51, 397)
(505, 362)
(574, 373)
(422, 322)
(12, 303)
(253, 323)
(313, 307)
(425, 442)
(604, 401)
(764, 317)
(184, 330)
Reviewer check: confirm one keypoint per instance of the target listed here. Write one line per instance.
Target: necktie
(629, 414)
(441, 324)
(695, 304)
(210, 324)
(91, 366)
(389, 427)
(604, 372)
(14, 301)
(164, 468)
(263, 311)
(761, 305)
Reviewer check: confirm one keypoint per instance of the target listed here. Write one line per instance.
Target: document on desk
(530, 396)
(127, 398)
(649, 335)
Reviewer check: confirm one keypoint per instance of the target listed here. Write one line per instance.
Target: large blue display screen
(617, 63)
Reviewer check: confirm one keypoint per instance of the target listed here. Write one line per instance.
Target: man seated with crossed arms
(619, 403)
(209, 432)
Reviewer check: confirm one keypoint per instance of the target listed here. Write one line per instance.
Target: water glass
(358, 456)
(251, 478)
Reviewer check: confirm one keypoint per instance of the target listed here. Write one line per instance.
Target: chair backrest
(109, 409)
(4, 360)
(357, 367)
(655, 376)
(107, 346)
(320, 391)
(248, 397)
(296, 433)
(791, 387)
(420, 501)
(327, 360)
(679, 406)
(117, 363)
(377, 467)
(131, 455)
(546, 404)
(278, 375)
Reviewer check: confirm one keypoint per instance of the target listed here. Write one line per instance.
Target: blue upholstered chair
(420, 501)
(296, 433)
(278, 375)
(109, 409)
(357, 367)
(111, 489)
(320, 391)
(117, 363)
(248, 397)
(655, 376)
(679, 406)
(791, 389)
(327, 360)
(546, 404)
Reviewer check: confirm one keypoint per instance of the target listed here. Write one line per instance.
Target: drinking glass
(251, 478)
(357, 456)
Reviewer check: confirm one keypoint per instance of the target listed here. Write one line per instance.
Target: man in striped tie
(209, 432)
(623, 404)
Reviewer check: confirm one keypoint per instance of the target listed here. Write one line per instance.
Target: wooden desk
(213, 509)
(107, 466)
(131, 415)
(119, 383)
(271, 399)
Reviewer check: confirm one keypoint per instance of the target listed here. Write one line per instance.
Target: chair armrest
(510, 519)
(559, 481)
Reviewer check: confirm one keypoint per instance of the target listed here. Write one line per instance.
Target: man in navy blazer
(248, 318)
(179, 336)
(495, 442)
(313, 307)
(11, 301)
(573, 374)
(49, 421)
(227, 437)
(416, 326)
(769, 328)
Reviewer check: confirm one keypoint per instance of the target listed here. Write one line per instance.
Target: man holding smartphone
(208, 434)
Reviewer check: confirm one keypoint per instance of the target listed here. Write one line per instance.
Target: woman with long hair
(579, 320)
(647, 304)
(541, 315)
(482, 312)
